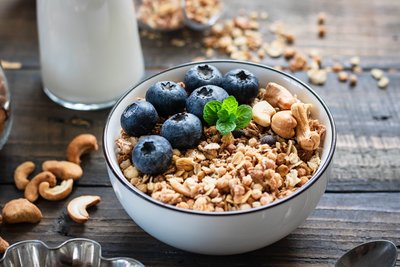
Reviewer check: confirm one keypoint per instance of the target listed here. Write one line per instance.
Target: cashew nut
(77, 207)
(32, 189)
(21, 174)
(80, 145)
(3, 245)
(63, 169)
(21, 210)
(283, 124)
(262, 113)
(307, 139)
(279, 96)
(58, 192)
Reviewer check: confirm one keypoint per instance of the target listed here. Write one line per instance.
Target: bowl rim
(275, 203)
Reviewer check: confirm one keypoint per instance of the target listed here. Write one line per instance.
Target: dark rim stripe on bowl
(301, 189)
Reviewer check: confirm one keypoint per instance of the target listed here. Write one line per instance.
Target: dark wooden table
(362, 201)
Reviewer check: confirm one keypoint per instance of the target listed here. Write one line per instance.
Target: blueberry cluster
(183, 110)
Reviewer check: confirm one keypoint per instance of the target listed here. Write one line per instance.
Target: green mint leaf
(225, 127)
(243, 116)
(230, 104)
(210, 111)
(223, 115)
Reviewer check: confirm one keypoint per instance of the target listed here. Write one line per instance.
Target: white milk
(89, 50)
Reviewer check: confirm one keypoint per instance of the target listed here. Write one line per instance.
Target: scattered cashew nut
(21, 174)
(58, 192)
(283, 124)
(32, 189)
(3, 245)
(21, 210)
(63, 169)
(279, 96)
(262, 113)
(77, 207)
(80, 145)
(307, 139)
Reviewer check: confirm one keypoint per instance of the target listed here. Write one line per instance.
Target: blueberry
(201, 75)
(268, 139)
(167, 97)
(242, 84)
(152, 154)
(201, 96)
(182, 130)
(139, 118)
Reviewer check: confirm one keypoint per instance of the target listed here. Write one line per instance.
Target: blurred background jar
(5, 109)
(170, 15)
(90, 51)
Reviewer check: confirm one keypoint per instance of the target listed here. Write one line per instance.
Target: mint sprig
(227, 115)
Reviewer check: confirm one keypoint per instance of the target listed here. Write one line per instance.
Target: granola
(227, 173)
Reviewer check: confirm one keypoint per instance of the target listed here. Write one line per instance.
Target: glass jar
(5, 109)
(90, 51)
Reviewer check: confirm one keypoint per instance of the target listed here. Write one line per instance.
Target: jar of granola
(169, 15)
(5, 109)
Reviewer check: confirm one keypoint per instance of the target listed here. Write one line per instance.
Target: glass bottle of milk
(90, 51)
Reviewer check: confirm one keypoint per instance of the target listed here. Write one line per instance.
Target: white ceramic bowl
(221, 233)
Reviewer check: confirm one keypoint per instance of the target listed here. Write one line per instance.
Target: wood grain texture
(339, 222)
(367, 29)
(362, 201)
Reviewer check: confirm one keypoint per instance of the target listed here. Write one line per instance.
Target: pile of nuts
(241, 38)
(272, 157)
(4, 105)
(44, 184)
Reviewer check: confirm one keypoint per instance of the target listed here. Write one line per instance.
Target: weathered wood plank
(340, 222)
(367, 120)
(367, 29)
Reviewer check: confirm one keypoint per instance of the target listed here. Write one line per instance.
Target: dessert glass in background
(90, 51)
(5, 109)
(171, 15)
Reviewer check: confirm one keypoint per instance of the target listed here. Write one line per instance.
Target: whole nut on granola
(279, 96)
(20, 211)
(283, 124)
(262, 113)
(307, 139)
